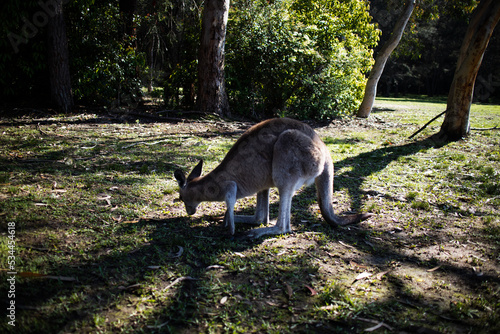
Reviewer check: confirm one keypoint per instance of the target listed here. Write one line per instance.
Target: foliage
(169, 35)
(304, 58)
(106, 68)
(424, 61)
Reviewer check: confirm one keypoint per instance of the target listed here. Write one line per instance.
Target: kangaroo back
(282, 153)
(250, 160)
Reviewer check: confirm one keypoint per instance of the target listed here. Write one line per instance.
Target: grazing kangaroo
(282, 153)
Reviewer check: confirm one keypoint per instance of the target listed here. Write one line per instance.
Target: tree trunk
(58, 59)
(371, 85)
(456, 121)
(212, 95)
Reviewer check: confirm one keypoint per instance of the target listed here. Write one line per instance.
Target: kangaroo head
(187, 190)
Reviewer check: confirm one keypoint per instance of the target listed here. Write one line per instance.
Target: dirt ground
(94, 199)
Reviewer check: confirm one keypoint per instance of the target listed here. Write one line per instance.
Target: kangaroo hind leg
(261, 215)
(297, 160)
(282, 225)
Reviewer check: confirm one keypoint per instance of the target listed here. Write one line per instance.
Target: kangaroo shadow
(369, 163)
(113, 279)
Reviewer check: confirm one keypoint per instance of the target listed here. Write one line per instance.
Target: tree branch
(426, 124)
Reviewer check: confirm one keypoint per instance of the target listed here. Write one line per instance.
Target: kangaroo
(282, 153)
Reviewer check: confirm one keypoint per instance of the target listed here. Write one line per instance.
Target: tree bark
(58, 59)
(212, 95)
(456, 121)
(378, 68)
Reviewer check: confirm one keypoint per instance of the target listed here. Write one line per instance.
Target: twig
(40, 130)
(45, 133)
(178, 280)
(146, 143)
(426, 124)
(379, 324)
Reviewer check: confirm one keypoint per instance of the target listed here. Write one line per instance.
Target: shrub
(304, 58)
(106, 68)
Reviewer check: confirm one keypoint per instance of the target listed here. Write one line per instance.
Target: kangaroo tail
(324, 186)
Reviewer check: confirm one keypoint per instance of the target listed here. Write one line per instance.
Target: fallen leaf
(214, 266)
(180, 279)
(381, 274)
(130, 221)
(354, 264)
(179, 253)
(313, 292)
(239, 254)
(377, 326)
(374, 328)
(346, 245)
(103, 197)
(478, 271)
(362, 276)
(434, 269)
(223, 300)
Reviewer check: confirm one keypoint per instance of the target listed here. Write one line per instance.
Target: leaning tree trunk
(212, 95)
(371, 85)
(58, 59)
(456, 122)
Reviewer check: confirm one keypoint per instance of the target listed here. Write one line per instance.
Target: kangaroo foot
(263, 231)
(353, 219)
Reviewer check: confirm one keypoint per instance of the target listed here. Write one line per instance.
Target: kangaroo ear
(181, 179)
(196, 171)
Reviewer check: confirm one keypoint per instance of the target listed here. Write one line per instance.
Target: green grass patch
(103, 245)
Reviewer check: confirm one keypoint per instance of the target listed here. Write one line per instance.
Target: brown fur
(282, 153)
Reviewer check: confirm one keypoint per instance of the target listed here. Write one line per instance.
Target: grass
(102, 245)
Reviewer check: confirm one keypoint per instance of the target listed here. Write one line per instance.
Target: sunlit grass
(96, 203)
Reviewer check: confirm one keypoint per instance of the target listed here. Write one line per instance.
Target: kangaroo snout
(191, 210)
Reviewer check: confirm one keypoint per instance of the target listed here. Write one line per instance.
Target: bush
(304, 58)
(106, 68)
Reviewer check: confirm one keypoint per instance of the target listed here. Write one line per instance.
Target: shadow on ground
(178, 277)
